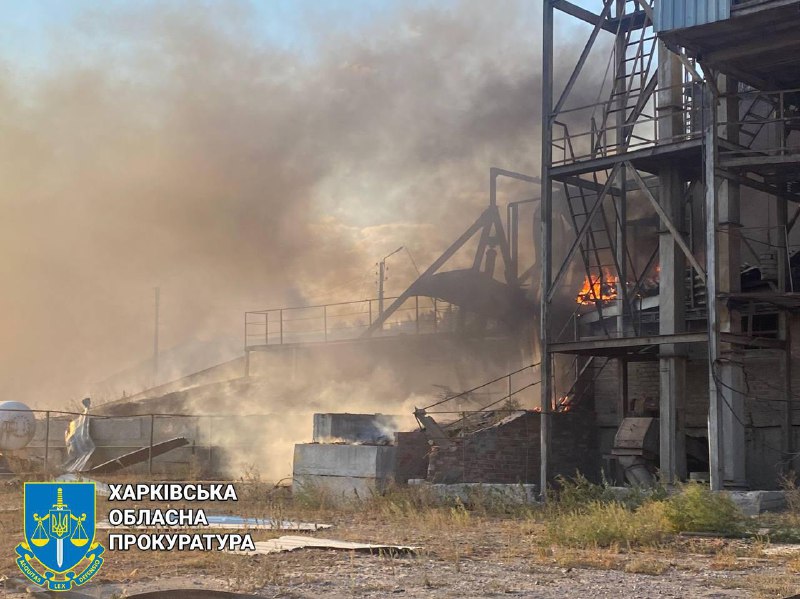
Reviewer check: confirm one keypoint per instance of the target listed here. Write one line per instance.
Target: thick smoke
(170, 145)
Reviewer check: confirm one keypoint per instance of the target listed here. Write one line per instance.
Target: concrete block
(354, 428)
(341, 487)
(753, 503)
(344, 469)
(375, 461)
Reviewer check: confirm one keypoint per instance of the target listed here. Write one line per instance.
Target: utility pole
(155, 334)
(382, 278)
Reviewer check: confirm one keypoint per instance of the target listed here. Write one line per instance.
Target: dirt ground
(462, 555)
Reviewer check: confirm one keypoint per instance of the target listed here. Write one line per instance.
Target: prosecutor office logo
(59, 548)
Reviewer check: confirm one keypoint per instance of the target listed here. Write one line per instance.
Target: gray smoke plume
(184, 151)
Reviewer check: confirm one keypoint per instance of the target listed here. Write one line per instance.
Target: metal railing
(764, 125)
(601, 138)
(346, 321)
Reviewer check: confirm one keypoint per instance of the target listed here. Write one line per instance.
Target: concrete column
(672, 308)
(729, 370)
(784, 334)
(672, 285)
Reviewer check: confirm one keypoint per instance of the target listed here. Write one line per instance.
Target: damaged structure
(678, 181)
(644, 325)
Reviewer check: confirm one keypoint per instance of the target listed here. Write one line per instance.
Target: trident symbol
(60, 521)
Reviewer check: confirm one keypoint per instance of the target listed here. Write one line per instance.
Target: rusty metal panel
(679, 14)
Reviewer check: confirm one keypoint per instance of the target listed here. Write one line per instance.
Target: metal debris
(290, 543)
(80, 446)
(137, 456)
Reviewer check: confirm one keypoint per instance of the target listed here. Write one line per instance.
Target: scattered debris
(290, 543)
(137, 456)
(787, 550)
(236, 522)
(239, 523)
(80, 446)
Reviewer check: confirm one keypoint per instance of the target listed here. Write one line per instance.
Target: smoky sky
(168, 145)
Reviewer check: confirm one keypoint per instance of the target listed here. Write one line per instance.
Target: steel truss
(678, 136)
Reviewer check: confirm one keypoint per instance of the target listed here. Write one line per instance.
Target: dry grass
(601, 559)
(728, 562)
(793, 565)
(767, 585)
(607, 524)
(647, 565)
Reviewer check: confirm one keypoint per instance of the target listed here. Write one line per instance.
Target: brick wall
(763, 409)
(411, 459)
(508, 452)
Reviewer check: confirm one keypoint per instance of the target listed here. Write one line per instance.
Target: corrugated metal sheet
(678, 14)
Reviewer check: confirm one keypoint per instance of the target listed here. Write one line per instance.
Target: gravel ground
(319, 573)
(460, 557)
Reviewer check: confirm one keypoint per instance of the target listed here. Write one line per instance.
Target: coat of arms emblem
(59, 548)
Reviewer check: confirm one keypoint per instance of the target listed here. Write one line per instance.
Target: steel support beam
(483, 220)
(626, 343)
(584, 15)
(667, 221)
(545, 232)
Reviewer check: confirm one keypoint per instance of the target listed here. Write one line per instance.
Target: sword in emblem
(59, 524)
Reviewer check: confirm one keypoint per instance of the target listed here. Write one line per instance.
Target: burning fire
(598, 288)
(564, 404)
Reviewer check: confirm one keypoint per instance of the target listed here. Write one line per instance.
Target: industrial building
(693, 309)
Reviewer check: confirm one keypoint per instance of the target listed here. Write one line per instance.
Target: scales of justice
(61, 527)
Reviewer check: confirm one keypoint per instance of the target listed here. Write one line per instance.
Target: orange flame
(598, 288)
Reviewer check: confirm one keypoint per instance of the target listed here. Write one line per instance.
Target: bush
(695, 508)
(791, 488)
(602, 524)
(577, 492)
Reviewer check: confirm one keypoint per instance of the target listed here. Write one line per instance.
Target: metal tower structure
(696, 115)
